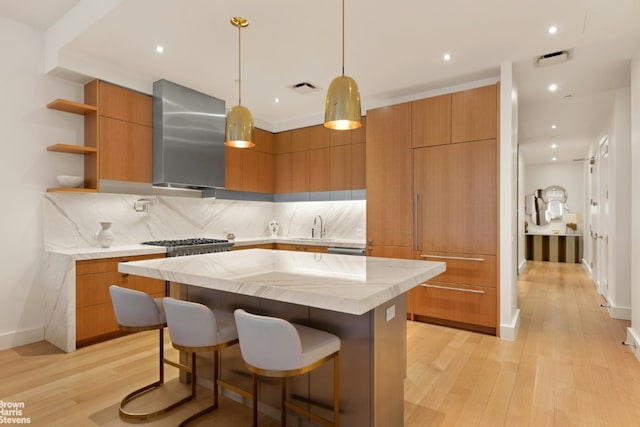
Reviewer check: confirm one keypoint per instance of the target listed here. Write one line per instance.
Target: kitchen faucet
(313, 230)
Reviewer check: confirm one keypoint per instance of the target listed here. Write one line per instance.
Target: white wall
(522, 217)
(634, 330)
(619, 270)
(509, 312)
(27, 127)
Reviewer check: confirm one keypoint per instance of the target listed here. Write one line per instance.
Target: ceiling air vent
(304, 88)
(554, 58)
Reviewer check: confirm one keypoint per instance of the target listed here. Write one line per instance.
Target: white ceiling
(393, 50)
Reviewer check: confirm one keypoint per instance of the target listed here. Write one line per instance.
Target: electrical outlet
(390, 313)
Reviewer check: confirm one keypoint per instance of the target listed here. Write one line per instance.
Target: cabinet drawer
(94, 321)
(478, 270)
(473, 305)
(145, 284)
(93, 289)
(108, 264)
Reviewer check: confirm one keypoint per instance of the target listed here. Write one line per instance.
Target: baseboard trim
(522, 265)
(509, 332)
(617, 312)
(585, 265)
(634, 338)
(17, 338)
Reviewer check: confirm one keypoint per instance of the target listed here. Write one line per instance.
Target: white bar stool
(195, 328)
(136, 311)
(273, 347)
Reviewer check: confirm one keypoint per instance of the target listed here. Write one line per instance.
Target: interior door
(603, 220)
(594, 220)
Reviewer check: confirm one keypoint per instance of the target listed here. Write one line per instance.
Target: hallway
(567, 366)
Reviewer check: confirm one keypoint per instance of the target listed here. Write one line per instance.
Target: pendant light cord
(343, 37)
(239, 67)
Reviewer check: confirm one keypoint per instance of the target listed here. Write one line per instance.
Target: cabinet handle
(457, 258)
(416, 225)
(125, 274)
(447, 288)
(370, 241)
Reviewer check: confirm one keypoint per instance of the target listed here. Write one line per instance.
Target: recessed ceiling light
(553, 126)
(553, 159)
(553, 87)
(159, 48)
(554, 145)
(447, 57)
(552, 29)
(276, 100)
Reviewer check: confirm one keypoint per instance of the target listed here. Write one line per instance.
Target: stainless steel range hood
(188, 138)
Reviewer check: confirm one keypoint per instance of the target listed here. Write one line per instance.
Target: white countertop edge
(137, 249)
(116, 251)
(554, 234)
(348, 305)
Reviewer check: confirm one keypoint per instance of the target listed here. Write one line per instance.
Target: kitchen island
(360, 299)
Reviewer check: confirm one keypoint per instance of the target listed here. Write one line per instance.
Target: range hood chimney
(188, 138)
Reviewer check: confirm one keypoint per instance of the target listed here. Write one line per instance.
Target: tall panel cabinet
(432, 194)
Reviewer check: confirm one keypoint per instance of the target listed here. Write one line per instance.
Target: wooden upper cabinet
(125, 151)
(282, 166)
(124, 104)
(319, 169)
(282, 142)
(233, 169)
(340, 168)
(300, 171)
(359, 135)
(300, 139)
(431, 121)
(389, 176)
(319, 137)
(456, 190)
(474, 114)
(339, 137)
(264, 141)
(358, 174)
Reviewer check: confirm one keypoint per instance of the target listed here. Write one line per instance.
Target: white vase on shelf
(274, 227)
(105, 235)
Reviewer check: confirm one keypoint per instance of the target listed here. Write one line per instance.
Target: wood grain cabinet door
(431, 121)
(474, 114)
(456, 198)
(125, 151)
(389, 176)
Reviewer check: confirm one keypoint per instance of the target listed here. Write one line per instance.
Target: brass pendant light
(238, 131)
(342, 109)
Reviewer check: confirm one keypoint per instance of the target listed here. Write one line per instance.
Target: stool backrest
(190, 324)
(134, 308)
(268, 343)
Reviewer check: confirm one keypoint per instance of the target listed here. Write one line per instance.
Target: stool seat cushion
(275, 344)
(193, 324)
(136, 309)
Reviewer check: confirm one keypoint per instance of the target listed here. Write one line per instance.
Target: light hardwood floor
(566, 368)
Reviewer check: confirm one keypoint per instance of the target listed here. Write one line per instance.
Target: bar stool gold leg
(255, 399)
(139, 392)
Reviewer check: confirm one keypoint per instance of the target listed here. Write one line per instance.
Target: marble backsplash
(72, 220)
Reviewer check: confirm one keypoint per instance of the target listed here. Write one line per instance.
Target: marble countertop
(131, 250)
(343, 283)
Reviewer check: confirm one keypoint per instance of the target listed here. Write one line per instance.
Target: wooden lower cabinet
(470, 307)
(303, 248)
(95, 319)
(260, 246)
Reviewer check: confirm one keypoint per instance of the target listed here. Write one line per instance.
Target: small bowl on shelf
(70, 181)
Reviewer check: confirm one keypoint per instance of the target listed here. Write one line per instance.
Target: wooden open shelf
(71, 190)
(71, 106)
(73, 149)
